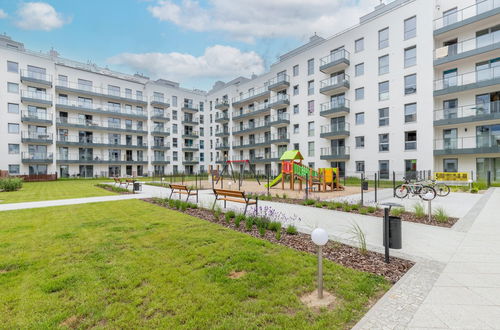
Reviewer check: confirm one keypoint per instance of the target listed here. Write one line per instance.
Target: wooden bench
(234, 196)
(183, 190)
(120, 182)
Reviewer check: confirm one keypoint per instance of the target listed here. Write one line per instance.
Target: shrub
(230, 214)
(441, 215)
(480, 185)
(291, 230)
(183, 206)
(274, 226)
(332, 206)
(397, 211)
(238, 219)
(355, 207)
(418, 208)
(227, 218)
(278, 235)
(262, 231)
(318, 204)
(474, 191)
(285, 196)
(249, 221)
(309, 202)
(363, 210)
(12, 184)
(217, 212)
(371, 209)
(118, 190)
(346, 207)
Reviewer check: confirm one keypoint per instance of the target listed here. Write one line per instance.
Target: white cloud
(3, 14)
(217, 62)
(39, 16)
(247, 20)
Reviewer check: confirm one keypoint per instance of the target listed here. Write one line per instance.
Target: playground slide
(275, 181)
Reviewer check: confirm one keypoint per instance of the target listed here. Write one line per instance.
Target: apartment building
(415, 85)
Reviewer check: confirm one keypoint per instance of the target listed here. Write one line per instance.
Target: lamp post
(320, 237)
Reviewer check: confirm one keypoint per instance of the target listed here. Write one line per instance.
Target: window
(360, 118)
(450, 16)
(85, 84)
(14, 169)
(295, 70)
(174, 114)
(359, 69)
(13, 128)
(360, 166)
(383, 91)
(410, 84)
(360, 141)
(174, 101)
(296, 90)
(383, 117)
(411, 140)
(383, 142)
(383, 169)
(410, 112)
(13, 108)
(310, 149)
(410, 56)
(310, 66)
(113, 90)
(410, 27)
(13, 88)
(383, 64)
(12, 67)
(295, 108)
(13, 149)
(296, 129)
(310, 107)
(310, 87)
(62, 80)
(310, 128)
(296, 146)
(450, 165)
(383, 38)
(359, 45)
(359, 93)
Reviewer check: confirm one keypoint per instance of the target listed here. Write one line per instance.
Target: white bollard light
(428, 196)
(319, 237)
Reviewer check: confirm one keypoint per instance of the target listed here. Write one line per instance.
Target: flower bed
(267, 227)
(118, 190)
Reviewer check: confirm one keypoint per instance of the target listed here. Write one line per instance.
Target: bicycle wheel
(401, 191)
(442, 189)
(425, 190)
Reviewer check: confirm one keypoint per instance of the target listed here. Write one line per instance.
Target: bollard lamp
(319, 236)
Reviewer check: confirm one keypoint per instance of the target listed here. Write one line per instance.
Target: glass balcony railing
(253, 126)
(37, 156)
(339, 151)
(221, 116)
(339, 128)
(36, 135)
(249, 143)
(99, 107)
(101, 157)
(335, 56)
(282, 117)
(36, 75)
(467, 45)
(335, 80)
(280, 137)
(36, 96)
(250, 94)
(452, 17)
(468, 111)
(467, 78)
(35, 115)
(279, 79)
(264, 107)
(334, 105)
(99, 90)
(473, 142)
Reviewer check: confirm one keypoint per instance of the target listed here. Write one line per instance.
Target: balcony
(36, 98)
(88, 107)
(190, 147)
(337, 131)
(251, 96)
(280, 138)
(467, 81)
(160, 115)
(467, 114)
(190, 160)
(36, 78)
(278, 83)
(36, 137)
(158, 160)
(96, 125)
(221, 160)
(222, 146)
(100, 158)
(334, 85)
(282, 119)
(189, 121)
(159, 102)
(467, 146)
(89, 90)
(190, 134)
(335, 108)
(266, 157)
(279, 101)
(94, 142)
(336, 61)
(222, 132)
(221, 117)
(160, 146)
(188, 107)
(222, 105)
(483, 45)
(36, 117)
(333, 154)
(256, 126)
(468, 15)
(37, 157)
(260, 109)
(159, 130)
(252, 143)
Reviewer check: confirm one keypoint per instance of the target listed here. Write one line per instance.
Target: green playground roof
(291, 155)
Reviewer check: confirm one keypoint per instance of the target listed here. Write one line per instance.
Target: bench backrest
(178, 186)
(231, 193)
(117, 180)
(131, 180)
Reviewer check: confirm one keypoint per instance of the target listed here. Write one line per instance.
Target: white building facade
(415, 86)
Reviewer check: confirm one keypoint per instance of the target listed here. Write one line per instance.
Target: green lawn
(130, 264)
(51, 190)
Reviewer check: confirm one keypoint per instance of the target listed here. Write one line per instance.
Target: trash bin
(365, 185)
(137, 186)
(395, 232)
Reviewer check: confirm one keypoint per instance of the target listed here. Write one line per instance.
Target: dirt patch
(71, 322)
(236, 275)
(340, 253)
(3, 271)
(312, 301)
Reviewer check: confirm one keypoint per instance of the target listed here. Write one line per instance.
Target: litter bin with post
(137, 186)
(394, 233)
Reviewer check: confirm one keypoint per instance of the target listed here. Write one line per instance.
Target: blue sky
(193, 42)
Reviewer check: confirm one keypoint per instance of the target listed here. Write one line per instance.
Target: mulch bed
(406, 216)
(110, 188)
(340, 253)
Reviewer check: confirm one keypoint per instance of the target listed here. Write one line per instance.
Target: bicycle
(416, 189)
(442, 189)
